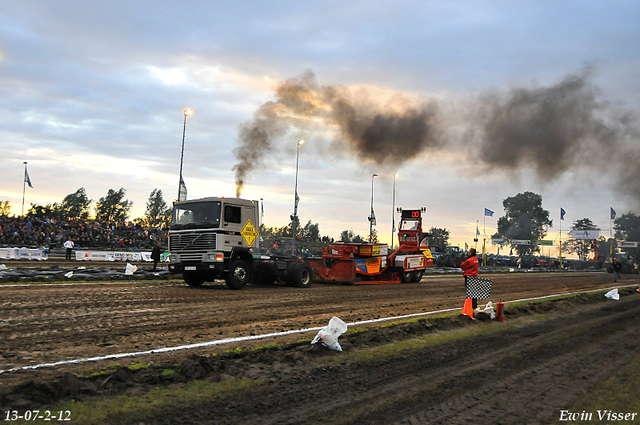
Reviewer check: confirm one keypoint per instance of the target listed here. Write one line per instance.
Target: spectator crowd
(48, 233)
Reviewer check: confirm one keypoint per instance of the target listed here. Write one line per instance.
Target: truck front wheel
(239, 275)
(193, 279)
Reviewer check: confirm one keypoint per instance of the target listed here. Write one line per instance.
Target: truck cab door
(232, 223)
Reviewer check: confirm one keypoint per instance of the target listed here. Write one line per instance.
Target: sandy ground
(540, 365)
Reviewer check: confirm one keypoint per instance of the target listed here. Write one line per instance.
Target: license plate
(190, 268)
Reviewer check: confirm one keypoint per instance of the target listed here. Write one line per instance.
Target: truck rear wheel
(193, 279)
(300, 275)
(239, 275)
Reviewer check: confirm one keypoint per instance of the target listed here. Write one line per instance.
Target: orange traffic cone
(467, 310)
(499, 312)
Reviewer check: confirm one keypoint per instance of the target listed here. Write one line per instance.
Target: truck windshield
(197, 214)
(408, 225)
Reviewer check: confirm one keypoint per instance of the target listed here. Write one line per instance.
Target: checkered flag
(478, 287)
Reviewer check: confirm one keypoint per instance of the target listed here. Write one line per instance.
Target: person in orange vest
(470, 267)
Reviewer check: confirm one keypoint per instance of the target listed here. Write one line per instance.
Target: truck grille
(195, 256)
(190, 242)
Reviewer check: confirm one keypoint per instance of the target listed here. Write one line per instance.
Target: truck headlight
(215, 257)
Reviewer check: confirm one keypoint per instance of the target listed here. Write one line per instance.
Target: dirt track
(47, 323)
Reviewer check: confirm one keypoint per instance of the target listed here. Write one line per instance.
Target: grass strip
(619, 393)
(131, 408)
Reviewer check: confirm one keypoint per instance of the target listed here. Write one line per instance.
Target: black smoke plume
(550, 129)
(388, 134)
(558, 128)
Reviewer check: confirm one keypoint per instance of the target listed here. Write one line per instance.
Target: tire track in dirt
(544, 374)
(43, 323)
(537, 370)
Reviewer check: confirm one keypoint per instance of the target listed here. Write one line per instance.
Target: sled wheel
(406, 277)
(417, 276)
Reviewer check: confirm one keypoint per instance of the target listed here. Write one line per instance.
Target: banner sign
(585, 234)
(545, 242)
(500, 241)
(22, 254)
(82, 255)
(627, 244)
(520, 242)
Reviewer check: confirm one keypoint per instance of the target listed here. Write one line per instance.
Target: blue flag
(613, 213)
(562, 213)
(488, 212)
(26, 177)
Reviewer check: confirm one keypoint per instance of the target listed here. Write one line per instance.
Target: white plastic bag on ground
(613, 294)
(328, 335)
(131, 269)
(3, 267)
(488, 309)
(68, 274)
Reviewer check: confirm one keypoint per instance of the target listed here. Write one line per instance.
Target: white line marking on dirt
(254, 337)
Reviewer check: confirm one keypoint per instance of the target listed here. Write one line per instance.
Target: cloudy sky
(470, 102)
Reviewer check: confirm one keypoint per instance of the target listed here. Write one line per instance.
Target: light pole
(296, 199)
(393, 210)
(372, 217)
(187, 112)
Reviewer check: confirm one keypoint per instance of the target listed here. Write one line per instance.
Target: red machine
(368, 263)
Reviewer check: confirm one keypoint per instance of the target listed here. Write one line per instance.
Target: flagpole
(484, 239)
(475, 245)
(24, 185)
(560, 254)
(610, 235)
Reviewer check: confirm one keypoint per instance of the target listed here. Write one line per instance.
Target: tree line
(113, 208)
(524, 219)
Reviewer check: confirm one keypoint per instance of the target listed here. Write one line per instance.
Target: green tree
(75, 206)
(49, 211)
(524, 219)
(310, 231)
(265, 232)
(350, 236)
(294, 223)
(157, 214)
(5, 208)
(627, 228)
(113, 208)
(582, 247)
(439, 238)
